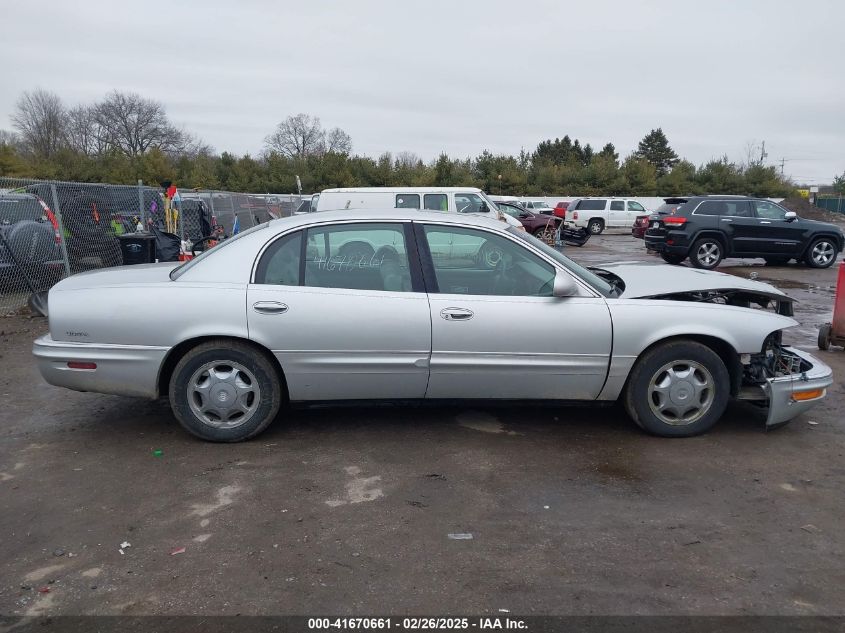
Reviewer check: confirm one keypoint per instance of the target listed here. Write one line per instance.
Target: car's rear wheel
(672, 259)
(678, 389)
(595, 226)
(821, 253)
(225, 391)
(706, 253)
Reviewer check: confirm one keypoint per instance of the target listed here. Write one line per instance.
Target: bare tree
(408, 160)
(9, 138)
(83, 132)
(338, 141)
(297, 136)
(39, 117)
(132, 124)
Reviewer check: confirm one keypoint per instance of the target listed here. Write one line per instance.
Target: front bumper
(782, 392)
(123, 370)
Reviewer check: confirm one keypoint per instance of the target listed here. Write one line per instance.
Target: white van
(447, 199)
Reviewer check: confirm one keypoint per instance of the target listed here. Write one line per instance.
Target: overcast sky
(455, 76)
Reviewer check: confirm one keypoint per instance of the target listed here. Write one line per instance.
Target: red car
(640, 226)
(560, 209)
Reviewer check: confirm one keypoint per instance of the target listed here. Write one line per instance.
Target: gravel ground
(349, 511)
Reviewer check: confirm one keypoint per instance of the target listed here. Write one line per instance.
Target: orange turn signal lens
(812, 394)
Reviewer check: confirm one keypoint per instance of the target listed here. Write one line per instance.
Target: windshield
(585, 275)
(180, 270)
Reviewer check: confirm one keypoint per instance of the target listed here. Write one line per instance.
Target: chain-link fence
(52, 229)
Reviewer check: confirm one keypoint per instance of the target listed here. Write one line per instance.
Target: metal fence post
(58, 213)
(142, 213)
(181, 219)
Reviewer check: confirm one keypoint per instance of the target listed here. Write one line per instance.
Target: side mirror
(789, 216)
(483, 208)
(564, 285)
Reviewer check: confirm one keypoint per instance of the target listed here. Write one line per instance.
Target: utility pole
(763, 153)
(782, 161)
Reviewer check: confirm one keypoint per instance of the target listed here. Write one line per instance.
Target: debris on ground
(58, 552)
(812, 423)
(812, 529)
(158, 452)
(178, 550)
(123, 546)
(461, 537)
(44, 589)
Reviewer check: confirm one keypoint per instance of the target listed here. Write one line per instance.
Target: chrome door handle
(269, 307)
(764, 222)
(456, 314)
(726, 220)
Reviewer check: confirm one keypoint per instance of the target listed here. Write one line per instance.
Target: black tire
(706, 253)
(821, 253)
(643, 403)
(265, 401)
(672, 259)
(776, 261)
(824, 337)
(595, 226)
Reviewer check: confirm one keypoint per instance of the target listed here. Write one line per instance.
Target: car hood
(118, 276)
(649, 280)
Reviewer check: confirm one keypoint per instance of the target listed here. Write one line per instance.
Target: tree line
(125, 137)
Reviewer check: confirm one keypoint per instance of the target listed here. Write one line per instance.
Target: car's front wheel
(677, 389)
(706, 253)
(821, 254)
(225, 391)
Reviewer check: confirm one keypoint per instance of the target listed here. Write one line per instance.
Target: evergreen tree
(655, 149)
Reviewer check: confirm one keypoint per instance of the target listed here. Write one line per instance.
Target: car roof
(387, 215)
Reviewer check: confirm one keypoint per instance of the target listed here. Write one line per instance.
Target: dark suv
(709, 228)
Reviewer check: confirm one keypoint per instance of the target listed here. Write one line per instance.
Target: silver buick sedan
(422, 306)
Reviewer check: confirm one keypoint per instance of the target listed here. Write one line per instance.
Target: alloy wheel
(823, 253)
(709, 254)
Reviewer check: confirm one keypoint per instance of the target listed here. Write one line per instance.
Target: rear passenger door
(343, 308)
(617, 216)
(737, 222)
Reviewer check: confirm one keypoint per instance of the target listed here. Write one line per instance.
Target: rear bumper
(782, 391)
(123, 370)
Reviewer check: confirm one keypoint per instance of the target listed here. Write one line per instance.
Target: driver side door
(495, 326)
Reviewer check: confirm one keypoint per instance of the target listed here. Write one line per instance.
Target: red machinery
(834, 333)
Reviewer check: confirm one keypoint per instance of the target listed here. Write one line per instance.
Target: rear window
(668, 209)
(14, 210)
(592, 205)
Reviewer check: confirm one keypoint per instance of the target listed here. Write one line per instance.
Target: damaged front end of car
(737, 297)
(783, 380)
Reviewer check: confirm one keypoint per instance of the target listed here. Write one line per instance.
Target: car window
(14, 210)
(592, 205)
(769, 210)
(436, 202)
(367, 256)
(280, 263)
(473, 262)
(711, 207)
(617, 205)
(511, 210)
(738, 209)
(408, 201)
(635, 206)
(469, 203)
